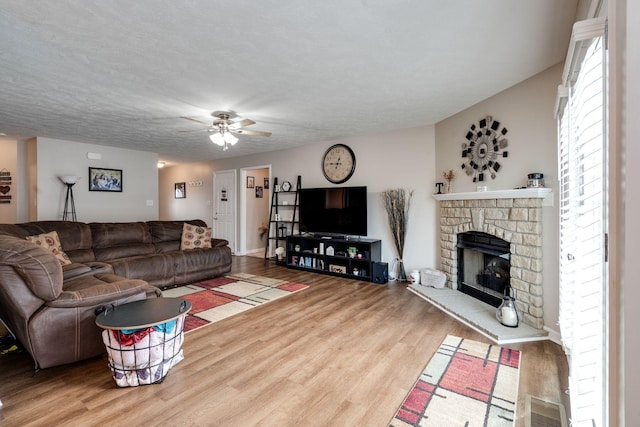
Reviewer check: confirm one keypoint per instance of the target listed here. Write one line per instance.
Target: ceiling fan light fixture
(217, 139)
(229, 138)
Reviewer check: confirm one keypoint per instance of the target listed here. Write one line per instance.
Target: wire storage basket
(144, 356)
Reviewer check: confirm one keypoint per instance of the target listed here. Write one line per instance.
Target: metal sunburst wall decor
(486, 142)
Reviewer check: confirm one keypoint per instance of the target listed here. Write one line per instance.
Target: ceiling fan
(223, 129)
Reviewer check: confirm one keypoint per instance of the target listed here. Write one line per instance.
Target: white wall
(526, 110)
(197, 204)
(404, 158)
(139, 177)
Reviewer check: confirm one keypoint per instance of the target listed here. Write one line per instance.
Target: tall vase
(402, 275)
(393, 270)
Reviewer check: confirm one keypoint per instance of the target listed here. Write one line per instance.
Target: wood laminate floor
(341, 353)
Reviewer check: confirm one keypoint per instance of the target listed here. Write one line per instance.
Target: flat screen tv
(334, 211)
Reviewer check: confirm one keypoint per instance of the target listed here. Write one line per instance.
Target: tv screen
(335, 210)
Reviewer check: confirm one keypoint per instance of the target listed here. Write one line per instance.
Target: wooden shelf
(276, 223)
(330, 256)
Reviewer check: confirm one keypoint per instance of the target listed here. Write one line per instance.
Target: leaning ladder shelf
(283, 219)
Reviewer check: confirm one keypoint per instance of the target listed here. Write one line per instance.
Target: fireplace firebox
(483, 266)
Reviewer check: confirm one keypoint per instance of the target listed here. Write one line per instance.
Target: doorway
(255, 197)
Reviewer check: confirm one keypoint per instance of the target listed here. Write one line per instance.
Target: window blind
(583, 219)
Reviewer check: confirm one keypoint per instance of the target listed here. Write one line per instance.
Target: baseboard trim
(554, 335)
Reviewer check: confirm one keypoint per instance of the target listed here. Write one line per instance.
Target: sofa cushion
(195, 237)
(14, 230)
(73, 270)
(51, 242)
(73, 235)
(98, 289)
(110, 234)
(157, 269)
(120, 240)
(170, 231)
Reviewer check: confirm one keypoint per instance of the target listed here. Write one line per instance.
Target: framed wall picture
(251, 182)
(266, 183)
(180, 190)
(258, 192)
(101, 179)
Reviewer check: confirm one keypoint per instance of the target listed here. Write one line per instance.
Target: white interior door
(224, 214)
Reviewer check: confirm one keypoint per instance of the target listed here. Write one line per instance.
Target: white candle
(509, 316)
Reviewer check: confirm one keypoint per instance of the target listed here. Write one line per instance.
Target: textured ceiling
(123, 73)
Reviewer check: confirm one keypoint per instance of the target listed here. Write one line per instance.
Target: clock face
(338, 163)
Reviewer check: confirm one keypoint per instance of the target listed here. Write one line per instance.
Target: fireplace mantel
(518, 193)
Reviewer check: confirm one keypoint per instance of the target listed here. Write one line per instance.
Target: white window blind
(583, 218)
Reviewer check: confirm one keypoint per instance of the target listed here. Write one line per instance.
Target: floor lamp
(69, 204)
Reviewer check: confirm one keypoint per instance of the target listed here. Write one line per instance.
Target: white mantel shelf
(518, 193)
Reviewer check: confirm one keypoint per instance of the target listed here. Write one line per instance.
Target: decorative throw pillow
(194, 236)
(51, 241)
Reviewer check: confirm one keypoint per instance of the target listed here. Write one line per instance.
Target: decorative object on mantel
(397, 203)
(449, 176)
(483, 148)
(439, 186)
(5, 186)
(535, 180)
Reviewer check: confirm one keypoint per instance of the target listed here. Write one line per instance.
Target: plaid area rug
(216, 299)
(466, 383)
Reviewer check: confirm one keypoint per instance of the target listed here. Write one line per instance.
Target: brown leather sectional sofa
(51, 308)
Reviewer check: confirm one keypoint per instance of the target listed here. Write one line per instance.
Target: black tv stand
(346, 237)
(330, 255)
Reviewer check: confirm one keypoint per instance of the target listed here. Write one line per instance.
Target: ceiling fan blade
(252, 132)
(242, 123)
(195, 120)
(196, 130)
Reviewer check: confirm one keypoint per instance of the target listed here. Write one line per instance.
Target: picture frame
(103, 179)
(258, 192)
(251, 182)
(266, 183)
(180, 190)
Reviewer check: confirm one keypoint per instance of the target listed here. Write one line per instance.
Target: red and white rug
(466, 383)
(216, 299)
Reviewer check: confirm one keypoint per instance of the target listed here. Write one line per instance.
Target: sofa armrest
(100, 289)
(38, 268)
(76, 269)
(219, 242)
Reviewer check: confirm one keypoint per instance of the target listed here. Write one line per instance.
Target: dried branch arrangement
(449, 175)
(397, 203)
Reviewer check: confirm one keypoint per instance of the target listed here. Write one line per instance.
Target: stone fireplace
(513, 216)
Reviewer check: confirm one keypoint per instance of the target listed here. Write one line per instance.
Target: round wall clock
(485, 144)
(338, 163)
